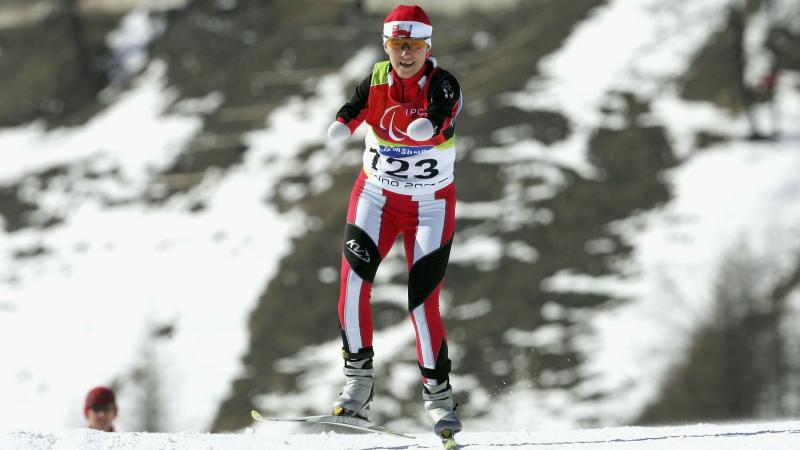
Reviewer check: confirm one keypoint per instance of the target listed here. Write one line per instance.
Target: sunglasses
(401, 43)
(102, 407)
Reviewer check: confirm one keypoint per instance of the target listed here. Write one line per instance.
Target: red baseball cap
(98, 396)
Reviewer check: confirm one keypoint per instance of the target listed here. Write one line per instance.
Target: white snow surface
(773, 436)
(77, 315)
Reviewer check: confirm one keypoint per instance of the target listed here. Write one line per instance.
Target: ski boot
(441, 410)
(356, 396)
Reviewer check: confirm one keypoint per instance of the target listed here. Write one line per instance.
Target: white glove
(338, 131)
(420, 129)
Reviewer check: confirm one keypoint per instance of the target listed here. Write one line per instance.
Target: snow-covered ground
(75, 312)
(772, 436)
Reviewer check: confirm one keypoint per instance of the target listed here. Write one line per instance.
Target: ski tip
(255, 415)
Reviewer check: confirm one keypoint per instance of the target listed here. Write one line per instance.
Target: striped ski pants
(375, 218)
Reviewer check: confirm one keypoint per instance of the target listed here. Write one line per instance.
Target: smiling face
(406, 55)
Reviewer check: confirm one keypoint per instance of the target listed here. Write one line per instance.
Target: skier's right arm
(351, 114)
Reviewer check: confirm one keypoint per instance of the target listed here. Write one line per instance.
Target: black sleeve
(357, 102)
(443, 94)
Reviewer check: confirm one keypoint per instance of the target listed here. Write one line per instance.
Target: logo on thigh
(356, 249)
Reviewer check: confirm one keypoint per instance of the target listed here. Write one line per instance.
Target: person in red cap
(410, 106)
(100, 409)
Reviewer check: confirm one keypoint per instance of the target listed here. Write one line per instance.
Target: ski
(344, 421)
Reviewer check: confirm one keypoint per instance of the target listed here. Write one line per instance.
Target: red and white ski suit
(405, 187)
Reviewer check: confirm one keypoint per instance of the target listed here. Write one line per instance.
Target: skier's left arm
(444, 104)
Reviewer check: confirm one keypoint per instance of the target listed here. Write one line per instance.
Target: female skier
(410, 105)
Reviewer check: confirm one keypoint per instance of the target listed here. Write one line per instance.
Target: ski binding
(448, 442)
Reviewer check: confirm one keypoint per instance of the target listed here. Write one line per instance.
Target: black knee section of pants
(441, 372)
(426, 274)
(361, 252)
